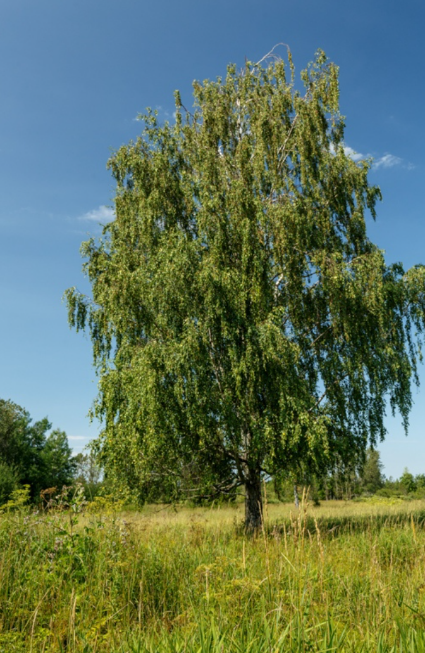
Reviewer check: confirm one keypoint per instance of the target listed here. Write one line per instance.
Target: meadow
(343, 577)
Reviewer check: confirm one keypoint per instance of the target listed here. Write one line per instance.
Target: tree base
(253, 506)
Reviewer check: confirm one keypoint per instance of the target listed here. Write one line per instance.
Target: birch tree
(242, 321)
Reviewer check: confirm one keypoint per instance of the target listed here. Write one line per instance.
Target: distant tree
(348, 483)
(242, 321)
(59, 464)
(21, 444)
(14, 432)
(371, 476)
(27, 454)
(420, 481)
(88, 472)
(8, 481)
(407, 480)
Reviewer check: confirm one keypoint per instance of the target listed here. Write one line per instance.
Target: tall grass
(345, 578)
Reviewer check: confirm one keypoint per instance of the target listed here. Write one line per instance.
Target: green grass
(344, 577)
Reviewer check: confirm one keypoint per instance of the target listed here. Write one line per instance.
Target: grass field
(341, 577)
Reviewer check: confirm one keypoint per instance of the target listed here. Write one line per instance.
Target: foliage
(371, 477)
(58, 461)
(8, 481)
(242, 321)
(21, 443)
(18, 498)
(88, 473)
(343, 482)
(407, 486)
(407, 480)
(29, 455)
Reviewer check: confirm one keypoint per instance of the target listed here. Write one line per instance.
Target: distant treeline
(342, 483)
(33, 454)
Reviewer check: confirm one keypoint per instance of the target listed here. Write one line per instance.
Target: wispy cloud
(385, 161)
(356, 156)
(101, 214)
(77, 437)
(353, 154)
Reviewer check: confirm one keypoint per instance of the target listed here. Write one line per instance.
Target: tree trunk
(253, 503)
(296, 498)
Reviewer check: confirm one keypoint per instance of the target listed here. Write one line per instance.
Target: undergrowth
(94, 582)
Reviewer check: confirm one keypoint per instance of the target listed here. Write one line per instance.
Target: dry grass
(344, 577)
(228, 515)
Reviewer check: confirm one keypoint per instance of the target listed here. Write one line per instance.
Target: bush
(390, 492)
(8, 481)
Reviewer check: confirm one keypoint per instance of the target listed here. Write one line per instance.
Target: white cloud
(348, 151)
(77, 437)
(101, 214)
(387, 161)
(356, 156)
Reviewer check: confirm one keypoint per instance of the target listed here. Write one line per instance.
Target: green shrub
(8, 481)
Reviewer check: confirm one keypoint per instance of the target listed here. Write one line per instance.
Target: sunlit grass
(343, 577)
(234, 513)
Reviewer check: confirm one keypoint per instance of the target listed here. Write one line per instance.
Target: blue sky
(75, 74)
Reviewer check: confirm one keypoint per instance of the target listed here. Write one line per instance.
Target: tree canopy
(29, 455)
(243, 324)
(372, 477)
